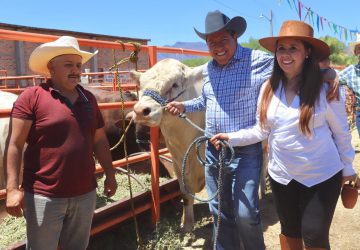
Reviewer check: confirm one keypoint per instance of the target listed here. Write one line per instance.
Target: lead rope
(197, 142)
(132, 58)
(221, 163)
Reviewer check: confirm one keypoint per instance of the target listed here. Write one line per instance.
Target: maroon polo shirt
(58, 161)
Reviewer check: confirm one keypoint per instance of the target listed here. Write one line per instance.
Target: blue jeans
(357, 121)
(63, 221)
(240, 218)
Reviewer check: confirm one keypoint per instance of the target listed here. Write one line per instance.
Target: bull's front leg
(187, 219)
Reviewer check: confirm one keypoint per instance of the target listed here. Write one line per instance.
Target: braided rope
(221, 164)
(123, 138)
(154, 94)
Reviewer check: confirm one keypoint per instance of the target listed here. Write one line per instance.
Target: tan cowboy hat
(216, 21)
(65, 45)
(354, 44)
(301, 31)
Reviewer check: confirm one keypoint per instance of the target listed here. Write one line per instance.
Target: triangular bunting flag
(317, 22)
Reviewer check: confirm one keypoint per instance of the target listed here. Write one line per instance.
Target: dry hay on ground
(13, 229)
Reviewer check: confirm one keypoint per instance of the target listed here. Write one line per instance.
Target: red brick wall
(104, 57)
(7, 57)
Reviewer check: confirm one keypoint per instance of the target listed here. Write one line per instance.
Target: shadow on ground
(167, 234)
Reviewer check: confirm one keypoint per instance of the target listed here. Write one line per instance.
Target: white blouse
(292, 155)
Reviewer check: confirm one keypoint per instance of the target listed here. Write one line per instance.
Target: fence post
(154, 149)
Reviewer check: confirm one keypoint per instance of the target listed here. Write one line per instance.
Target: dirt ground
(344, 232)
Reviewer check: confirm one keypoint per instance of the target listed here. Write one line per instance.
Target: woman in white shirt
(310, 150)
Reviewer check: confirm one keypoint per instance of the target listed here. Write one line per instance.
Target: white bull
(169, 78)
(6, 102)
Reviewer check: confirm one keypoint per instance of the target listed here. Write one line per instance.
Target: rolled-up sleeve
(196, 104)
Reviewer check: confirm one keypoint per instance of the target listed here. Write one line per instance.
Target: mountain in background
(184, 45)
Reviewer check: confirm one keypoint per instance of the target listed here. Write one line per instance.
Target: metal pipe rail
(6, 112)
(104, 85)
(119, 163)
(42, 38)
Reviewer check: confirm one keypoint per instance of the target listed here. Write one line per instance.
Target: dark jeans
(240, 217)
(307, 212)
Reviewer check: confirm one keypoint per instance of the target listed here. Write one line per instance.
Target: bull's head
(167, 80)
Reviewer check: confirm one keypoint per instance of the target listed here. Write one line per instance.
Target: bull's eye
(175, 86)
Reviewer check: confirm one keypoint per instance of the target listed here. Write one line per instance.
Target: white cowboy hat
(354, 44)
(65, 45)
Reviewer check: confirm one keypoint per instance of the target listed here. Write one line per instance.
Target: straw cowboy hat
(65, 45)
(301, 31)
(216, 21)
(354, 44)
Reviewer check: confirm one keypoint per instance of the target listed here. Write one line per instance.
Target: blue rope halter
(158, 98)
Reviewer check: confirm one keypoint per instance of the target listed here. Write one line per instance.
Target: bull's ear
(194, 74)
(135, 75)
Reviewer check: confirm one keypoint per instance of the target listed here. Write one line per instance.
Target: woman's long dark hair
(310, 81)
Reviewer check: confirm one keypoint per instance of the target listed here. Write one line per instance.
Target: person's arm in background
(337, 120)
(18, 132)
(102, 154)
(330, 76)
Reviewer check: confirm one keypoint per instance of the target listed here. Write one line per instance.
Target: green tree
(338, 54)
(252, 44)
(196, 61)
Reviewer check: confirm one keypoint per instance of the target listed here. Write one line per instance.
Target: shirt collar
(238, 55)
(55, 92)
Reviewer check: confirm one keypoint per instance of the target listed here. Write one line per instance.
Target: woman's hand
(215, 140)
(353, 178)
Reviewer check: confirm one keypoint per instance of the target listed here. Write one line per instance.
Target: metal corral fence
(152, 52)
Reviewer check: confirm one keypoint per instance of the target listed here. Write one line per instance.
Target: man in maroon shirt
(63, 127)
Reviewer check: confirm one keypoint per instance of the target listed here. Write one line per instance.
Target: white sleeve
(337, 119)
(252, 134)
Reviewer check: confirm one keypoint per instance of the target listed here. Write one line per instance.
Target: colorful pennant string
(337, 29)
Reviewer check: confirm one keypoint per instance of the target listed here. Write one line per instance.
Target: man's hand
(110, 185)
(333, 92)
(175, 108)
(15, 202)
(215, 140)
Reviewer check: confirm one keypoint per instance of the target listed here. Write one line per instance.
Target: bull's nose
(142, 111)
(146, 111)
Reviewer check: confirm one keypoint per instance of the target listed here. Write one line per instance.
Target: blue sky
(167, 21)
